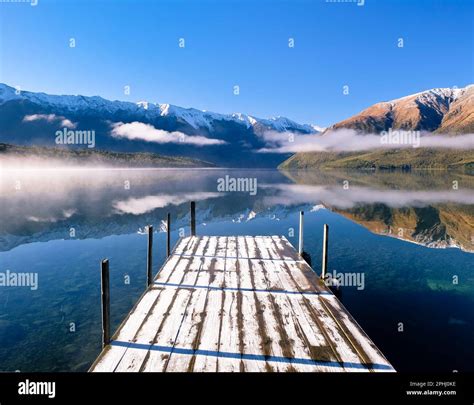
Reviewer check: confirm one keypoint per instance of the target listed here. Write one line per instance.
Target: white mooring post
(300, 246)
(149, 261)
(324, 266)
(168, 235)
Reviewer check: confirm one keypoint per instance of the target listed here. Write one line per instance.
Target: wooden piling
(300, 244)
(193, 218)
(149, 262)
(105, 296)
(168, 235)
(324, 266)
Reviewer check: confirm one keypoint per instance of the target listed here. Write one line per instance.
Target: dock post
(168, 235)
(324, 266)
(193, 218)
(300, 246)
(149, 263)
(105, 296)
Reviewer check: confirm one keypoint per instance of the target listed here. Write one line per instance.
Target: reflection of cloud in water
(137, 206)
(42, 197)
(64, 215)
(339, 197)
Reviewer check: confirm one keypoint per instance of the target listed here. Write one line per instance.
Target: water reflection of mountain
(417, 207)
(433, 226)
(434, 209)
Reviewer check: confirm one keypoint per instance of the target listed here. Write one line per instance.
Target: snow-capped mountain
(205, 119)
(441, 110)
(29, 118)
(195, 118)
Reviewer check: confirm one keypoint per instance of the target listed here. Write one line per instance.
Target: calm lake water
(410, 235)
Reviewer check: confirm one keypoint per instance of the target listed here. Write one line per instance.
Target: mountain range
(28, 118)
(444, 110)
(441, 111)
(233, 140)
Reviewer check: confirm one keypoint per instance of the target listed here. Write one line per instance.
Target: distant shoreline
(98, 158)
(384, 159)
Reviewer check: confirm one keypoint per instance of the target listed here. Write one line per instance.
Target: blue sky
(244, 43)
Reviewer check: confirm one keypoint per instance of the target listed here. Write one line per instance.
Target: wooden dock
(239, 303)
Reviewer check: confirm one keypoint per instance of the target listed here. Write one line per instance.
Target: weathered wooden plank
(130, 326)
(159, 352)
(202, 246)
(366, 349)
(136, 353)
(191, 246)
(297, 342)
(177, 263)
(229, 343)
(169, 267)
(231, 278)
(344, 351)
(275, 341)
(252, 336)
(260, 248)
(113, 354)
(244, 276)
(252, 332)
(165, 340)
(211, 247)
(183, 355)
(183, 266)
(209, 338)
(230, 349)
(187, 342)
(194, 265)
(334, 335)
(337, 338)
(231, 250)
(285, 249)
(330, 345)
(182, 245)
(295, 338)
(251, 247)
(215, 268)
(221, 246)
(270, 247)
(305, 278)
(337, 348)
(242, 252)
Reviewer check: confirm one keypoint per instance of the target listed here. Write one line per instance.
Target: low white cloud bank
(51, 118)
(348, 140)
(146, 132)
